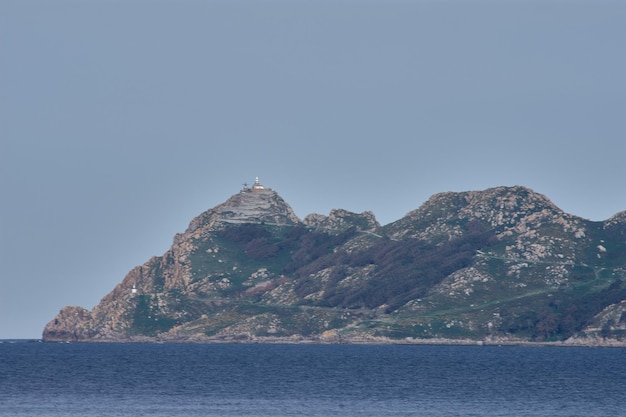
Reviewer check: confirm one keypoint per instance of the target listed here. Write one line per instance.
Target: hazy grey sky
(122, 120)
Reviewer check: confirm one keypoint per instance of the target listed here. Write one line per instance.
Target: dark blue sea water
(46, 379)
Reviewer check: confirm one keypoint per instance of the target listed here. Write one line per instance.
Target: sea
(93, 379)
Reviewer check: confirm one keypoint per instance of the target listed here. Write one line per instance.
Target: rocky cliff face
(499, 264)
(340, 220)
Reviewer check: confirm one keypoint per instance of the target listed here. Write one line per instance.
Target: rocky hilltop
(503, 265)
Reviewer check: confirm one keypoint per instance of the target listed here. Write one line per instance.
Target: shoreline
(299, 340)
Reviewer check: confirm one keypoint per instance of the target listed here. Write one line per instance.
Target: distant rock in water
(503, 265)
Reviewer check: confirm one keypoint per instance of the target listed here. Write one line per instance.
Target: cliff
(503, 265)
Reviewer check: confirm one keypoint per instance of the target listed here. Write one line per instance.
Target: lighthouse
(257, 185)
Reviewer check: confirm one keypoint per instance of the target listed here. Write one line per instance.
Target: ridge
(502, 265)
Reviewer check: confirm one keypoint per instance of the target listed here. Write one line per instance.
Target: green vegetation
(147, 318)
(567, 312)
(405, 270)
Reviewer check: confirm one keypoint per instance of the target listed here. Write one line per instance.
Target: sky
(120, 121)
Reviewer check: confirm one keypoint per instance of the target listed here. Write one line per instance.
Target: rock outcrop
(70, 324)
(340, 220)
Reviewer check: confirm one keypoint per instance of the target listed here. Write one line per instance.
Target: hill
(503, 265)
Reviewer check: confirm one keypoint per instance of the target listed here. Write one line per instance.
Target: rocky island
(502, 265)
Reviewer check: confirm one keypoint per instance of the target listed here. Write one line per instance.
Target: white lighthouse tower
(257, 185)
